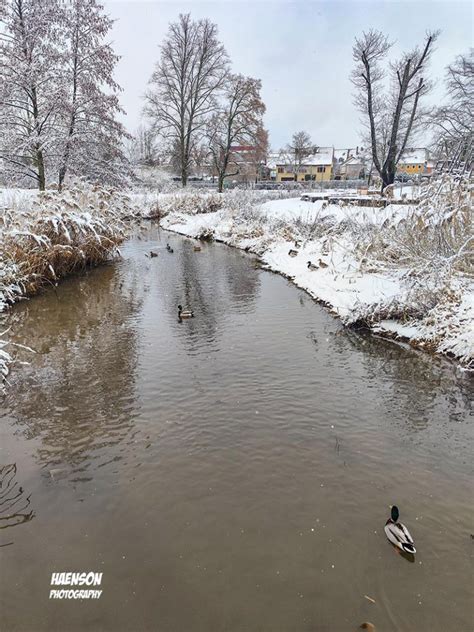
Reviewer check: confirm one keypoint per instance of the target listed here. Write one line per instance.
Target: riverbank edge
(376, 329)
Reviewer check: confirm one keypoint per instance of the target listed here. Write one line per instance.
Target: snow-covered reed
(195, 202)
(404, 270)
(436, 237)
(5, 359)
(46, 238)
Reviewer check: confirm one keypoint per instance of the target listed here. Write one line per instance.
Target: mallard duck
(152, 254)
(398, 534)
(185, 313)
(292, 253)
(311, 266)
(168, 248)
(322, 264)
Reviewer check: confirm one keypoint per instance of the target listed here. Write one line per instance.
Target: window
(321, 169)
(281, 170)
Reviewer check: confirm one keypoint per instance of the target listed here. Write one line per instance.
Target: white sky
(300, 50)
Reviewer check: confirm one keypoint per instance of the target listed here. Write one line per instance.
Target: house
(414, 162)
(273, 159)
(244, 164)
(354, 168)
(351, 163)
(313, 168)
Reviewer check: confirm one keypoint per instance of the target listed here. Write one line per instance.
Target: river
(229, 472)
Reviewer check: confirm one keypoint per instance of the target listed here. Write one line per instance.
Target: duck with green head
(398, 534)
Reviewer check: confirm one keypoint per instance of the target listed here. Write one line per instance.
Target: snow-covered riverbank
(365, 264)
(48, 237)
(405, 272)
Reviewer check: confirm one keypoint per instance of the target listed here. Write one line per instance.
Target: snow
(414, 156)
(44, 238)
(355, 288)
(15, 197)
(323, 156)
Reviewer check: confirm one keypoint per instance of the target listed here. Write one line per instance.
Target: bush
(59, 234)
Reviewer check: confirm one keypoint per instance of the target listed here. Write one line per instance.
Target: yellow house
(313, 168)
(414, 161)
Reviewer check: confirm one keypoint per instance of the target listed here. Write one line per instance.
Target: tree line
(59, 102)
(195, 101)
(58, 99)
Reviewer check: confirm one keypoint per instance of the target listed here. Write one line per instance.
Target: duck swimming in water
(184, 313)
(398, 534)
(168, 248)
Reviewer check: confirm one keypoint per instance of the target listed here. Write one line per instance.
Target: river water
(230, 472)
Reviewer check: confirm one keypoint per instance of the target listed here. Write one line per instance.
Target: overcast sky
(300, 50)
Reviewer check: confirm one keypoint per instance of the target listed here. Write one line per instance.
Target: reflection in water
(409, 380)
(409, 557)
(203, 277)
(78, 393)
(232, 471)
(14, 502)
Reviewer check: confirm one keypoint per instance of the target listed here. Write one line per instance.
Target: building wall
(411, 168)
(351, 172)
(307, 173)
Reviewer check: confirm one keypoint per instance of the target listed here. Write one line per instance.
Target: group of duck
(183, 312)
(310, 265)
(395, 531)
(153, 253)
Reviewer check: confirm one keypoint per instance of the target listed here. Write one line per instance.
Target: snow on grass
(44, 238)
(404, 271)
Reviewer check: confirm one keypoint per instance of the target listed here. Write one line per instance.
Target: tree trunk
(220, 183)
(184, 176)
(388, 174)
(41, 170)
(64, 166)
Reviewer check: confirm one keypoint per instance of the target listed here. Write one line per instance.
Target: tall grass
(57, 234)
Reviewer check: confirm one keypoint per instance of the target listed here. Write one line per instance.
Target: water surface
(231, 472)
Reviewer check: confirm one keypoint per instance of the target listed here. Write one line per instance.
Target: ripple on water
(246, 456)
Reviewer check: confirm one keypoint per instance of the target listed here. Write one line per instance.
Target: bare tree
(237, 122)
(30, 87)
(392, 115)
(90, 131)
(143, 148)
(301, 147)
(200, 162)
(191, 69)
(453, 122)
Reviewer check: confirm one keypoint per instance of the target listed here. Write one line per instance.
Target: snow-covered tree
(192, 68)
(31, 91)
(58, 99)
(392, 113)
(91, 137)
(454, 120)
(143, 147)
(236, 122)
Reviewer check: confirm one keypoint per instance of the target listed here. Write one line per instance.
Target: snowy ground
(355, 287)
(355, 269)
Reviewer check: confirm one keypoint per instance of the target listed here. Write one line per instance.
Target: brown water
(232, 472)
